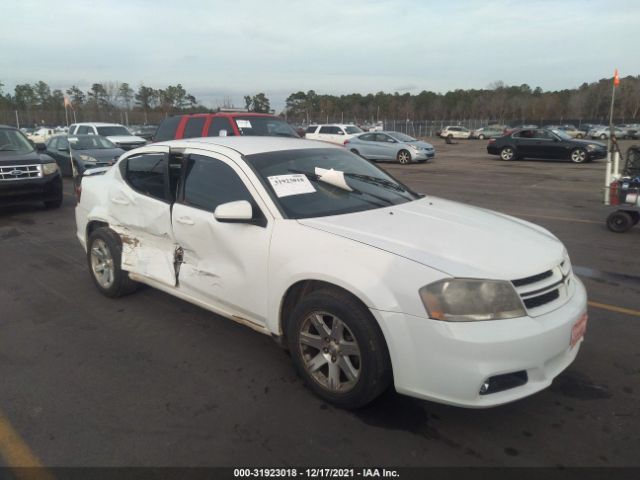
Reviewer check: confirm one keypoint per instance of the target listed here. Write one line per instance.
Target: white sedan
(367, 283)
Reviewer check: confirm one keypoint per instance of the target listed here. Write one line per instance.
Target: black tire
(620, 221)
(404, 157)
(353, 150)
(121, 284)
(579, 135)
(508, 153)
(603, 137)
(481, 137)
(374, 372)
(450, 136)
(579, 155)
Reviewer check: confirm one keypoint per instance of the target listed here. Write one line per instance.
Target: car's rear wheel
(481, 137)
(507, 154)
(404, 157)
(353, 150)
(620, 221)
(603, 136)
(579, 135)
(104, 254)
(579, 155)
(338, 349)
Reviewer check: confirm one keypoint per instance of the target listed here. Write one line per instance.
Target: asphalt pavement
(150, 380)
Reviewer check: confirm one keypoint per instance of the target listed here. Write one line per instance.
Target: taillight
(614, 198)
(346, 141)
(491, 140)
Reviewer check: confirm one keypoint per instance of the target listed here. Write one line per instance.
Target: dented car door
(140, 207)
(224, 263)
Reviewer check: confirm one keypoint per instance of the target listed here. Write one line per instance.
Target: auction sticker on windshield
(294, 184)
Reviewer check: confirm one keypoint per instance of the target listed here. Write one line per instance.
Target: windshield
(113, 131)
(14, 141)
(351, 130)
(561, 134)
(265, 126)
(90, 142)
(401, 137)
(303, 185)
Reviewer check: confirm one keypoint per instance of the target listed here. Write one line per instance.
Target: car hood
(420, 143)
(14, 158)
(457, 239)
(101, 154)
(126, 139)
(577, 141)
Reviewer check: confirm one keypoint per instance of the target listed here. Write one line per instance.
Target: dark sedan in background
(88, 151)
(546, 144)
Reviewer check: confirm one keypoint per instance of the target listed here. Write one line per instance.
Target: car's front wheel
(338, 349)
(603, 136)
(404, 157)
(104, 253)
(507, 153)
(481, 137)
(579, 155)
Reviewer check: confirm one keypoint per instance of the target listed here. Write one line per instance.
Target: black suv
(26, 175)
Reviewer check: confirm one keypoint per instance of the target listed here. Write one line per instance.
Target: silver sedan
(390, 146)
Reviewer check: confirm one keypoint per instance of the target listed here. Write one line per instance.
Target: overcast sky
(231, 48)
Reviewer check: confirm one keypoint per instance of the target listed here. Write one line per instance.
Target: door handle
(120, 200)
(185, 220)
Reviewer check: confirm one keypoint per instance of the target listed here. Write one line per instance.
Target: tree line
(115, 101)
(498, 102)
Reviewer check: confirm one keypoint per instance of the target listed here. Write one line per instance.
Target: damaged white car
(367, 283)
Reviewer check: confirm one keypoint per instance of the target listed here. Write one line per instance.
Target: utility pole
(610, 149)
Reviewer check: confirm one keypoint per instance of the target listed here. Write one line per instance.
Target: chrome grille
(20, 172)
(546, 291)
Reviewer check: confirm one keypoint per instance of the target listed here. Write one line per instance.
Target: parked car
(487, 132)
(114, 132)
(27, 174)
(602, 132)
(455, 132)
(509, 130)
(144, 131)
(40, 135)
(390, 146)
(585, 128)
(88, 151)
(570, 130)
(222, 124)
(366, 282)
(334, 133)
(629, 130)
(545, 143)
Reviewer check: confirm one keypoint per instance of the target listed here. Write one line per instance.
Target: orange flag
(67, 102)
(616, 78)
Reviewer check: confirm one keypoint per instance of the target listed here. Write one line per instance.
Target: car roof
(248, 145)
(101, 124)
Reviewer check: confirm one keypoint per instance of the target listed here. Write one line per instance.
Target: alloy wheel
(102, 263)
(578, 155)
(330, 352)
(404, 157)
(507, 153)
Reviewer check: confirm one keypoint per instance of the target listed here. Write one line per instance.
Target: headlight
(469, 300)
(592, 147)
(49, 168)
(414, 147)
(87, 158)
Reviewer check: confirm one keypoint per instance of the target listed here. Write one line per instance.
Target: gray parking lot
(151, 380)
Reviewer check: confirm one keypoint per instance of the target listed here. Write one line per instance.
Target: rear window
(220, 124)
(267, 126)
(311, 129)
(167, 129)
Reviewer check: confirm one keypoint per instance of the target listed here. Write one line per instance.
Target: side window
(218, 124)
(329, 130)
(369, 137)
(194, 127)
(167, 129)
(83, 130)
(311, 129)
(147, 174)
(210, 182)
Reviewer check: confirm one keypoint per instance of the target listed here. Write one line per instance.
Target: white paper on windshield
(294, 184)
(243, 123)
(333, 177)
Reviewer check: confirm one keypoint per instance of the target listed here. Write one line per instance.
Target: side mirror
(340, 132)
(41, 147)
(234, 212)
(64, 149)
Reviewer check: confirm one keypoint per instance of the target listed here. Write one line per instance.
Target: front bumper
(30, 190)
(422, 155)
(596, 154)
(449, 362)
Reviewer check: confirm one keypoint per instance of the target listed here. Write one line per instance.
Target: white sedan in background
(366, 282)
